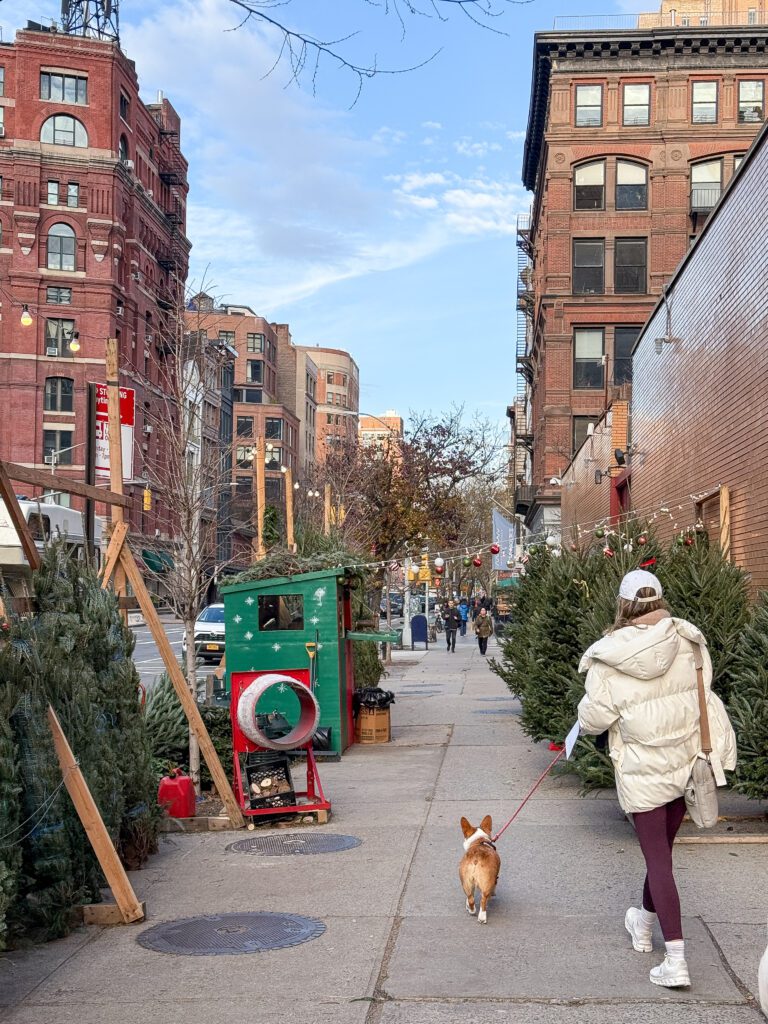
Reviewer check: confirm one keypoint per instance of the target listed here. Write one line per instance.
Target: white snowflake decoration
(275, 647)
(249, 635)
(319, 647)
(282, 688)
(314, 620)
(237, 620)
(249, 600)
(319, 595)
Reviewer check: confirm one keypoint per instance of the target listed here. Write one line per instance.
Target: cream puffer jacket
(641, 687)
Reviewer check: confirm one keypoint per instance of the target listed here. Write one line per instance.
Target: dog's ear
(486, 824)
(466, 828)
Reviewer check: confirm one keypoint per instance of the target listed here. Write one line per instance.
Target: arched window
(589, 186)
(631, 186)
(123, 150)
(63, 130)
(61, 248)
(59, 394)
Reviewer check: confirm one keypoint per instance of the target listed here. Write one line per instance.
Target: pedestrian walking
(464, 613)
(483, 628)
(642, 687)
(452, 625)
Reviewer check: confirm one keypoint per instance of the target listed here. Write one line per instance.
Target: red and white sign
(127, 421)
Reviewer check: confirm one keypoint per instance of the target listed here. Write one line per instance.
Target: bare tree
(304, 52)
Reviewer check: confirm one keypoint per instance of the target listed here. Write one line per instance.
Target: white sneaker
(642, 936)
(671, 974)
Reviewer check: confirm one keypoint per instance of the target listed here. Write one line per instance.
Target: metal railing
(634, 22)
(704, 199)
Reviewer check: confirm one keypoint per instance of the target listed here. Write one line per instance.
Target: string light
(26, 317)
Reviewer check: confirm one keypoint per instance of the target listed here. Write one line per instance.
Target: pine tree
(749, 705)
(10, 833)
(515, 666)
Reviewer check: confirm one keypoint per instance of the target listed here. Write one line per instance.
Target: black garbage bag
(371, 697)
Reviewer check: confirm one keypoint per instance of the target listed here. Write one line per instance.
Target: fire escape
(524, 493)
(173, 258)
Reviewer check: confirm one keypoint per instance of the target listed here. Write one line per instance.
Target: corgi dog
(480, 865)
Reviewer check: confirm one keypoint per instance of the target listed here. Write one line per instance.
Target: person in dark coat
(452, 625)
(483, 629)
(464, 613)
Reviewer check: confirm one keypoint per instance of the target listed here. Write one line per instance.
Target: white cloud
(516, 135)
(433, 126)
(415, 181)
(468, 147)
(389, 136)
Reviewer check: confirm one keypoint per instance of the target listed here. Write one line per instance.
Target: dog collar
(483, 837)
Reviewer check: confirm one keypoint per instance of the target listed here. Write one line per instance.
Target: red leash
(528, 797)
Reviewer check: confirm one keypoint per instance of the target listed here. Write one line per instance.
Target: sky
(382, 223)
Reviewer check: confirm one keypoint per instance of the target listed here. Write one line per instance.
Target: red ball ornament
(689, 542)
(477, 562)
(608, 552)
(574, 547)
(439, 569)
(642, 540)
(494, 549)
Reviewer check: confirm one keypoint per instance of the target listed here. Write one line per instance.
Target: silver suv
(209, 634)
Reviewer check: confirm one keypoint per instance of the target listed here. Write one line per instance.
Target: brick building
(92, 212)
(297, 377)
(380, 430)
(699, 430)
(633, 133)
(338, 396)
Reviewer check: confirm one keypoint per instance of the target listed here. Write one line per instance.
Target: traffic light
(147, 500)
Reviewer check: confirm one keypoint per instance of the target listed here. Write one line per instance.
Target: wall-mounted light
(74, 345)
(599, 476)
(26, 316)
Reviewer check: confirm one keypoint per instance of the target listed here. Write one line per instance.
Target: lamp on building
(296, 486)
(283, 469)
(74, 344)
(599, 476)
(26, 316)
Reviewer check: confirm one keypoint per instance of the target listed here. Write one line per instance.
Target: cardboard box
(373, 726)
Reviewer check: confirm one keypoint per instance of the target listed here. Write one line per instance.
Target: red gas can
(176, 794)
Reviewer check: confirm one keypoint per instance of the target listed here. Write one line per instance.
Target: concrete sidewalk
(399, 948)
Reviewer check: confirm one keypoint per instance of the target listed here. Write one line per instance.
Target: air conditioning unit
(51, 350)
(129, 164)
(151, 193)
(135, 276)
(147, 428)
(2, 131)
(120, 309)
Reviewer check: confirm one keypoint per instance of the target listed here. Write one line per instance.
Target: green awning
(153, 561)
(512, 581)
(167, 561)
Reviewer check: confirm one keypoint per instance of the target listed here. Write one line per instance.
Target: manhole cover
(230, 934)
(281, 846)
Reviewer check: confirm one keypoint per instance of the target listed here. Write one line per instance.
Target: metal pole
(407, 605)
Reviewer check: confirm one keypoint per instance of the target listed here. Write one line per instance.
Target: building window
(706, 184)
(63, 88)
(53, 193)
(589, 186)
(58, 296)
(329, 417)
(580, 430)
(704, 102)
(343, 380)
(737, 161)
(244, 487)
(751, 96)
(752, 16)
(122, 151)
(254, 371)
(589, 106)
(248, 396)
(631, 186)
(329, 398)
(274, 458)
(273, 429)
(329, 377)
(59, 394)
(631, 264)
(227, 338)
(245, 426)
(244, 456)
(57, 447)
(2, 81)
(588, 368)
(58, 334)
(637, 104)
(624, 339)
(63, 130)
(61, 248)
(588, 266)
(73, 194)
(125, 106)
(254, 343)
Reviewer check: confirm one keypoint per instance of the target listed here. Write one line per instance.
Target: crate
(373, 726)
(269, 781)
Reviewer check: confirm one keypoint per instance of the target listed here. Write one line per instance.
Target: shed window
(281, 612)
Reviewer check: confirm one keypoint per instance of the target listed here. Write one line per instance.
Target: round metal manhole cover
(282, 846)
(230, 934)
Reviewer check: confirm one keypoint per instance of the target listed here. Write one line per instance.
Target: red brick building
(93, 213)
(338, 397)
(632, 136)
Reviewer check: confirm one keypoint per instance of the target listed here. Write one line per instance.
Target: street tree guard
(302, 732)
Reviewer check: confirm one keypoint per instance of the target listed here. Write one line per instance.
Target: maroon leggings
(656, 831)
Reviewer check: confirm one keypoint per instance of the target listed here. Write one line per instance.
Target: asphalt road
(146, 656)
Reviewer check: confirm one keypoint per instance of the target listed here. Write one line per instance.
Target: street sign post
(127, 421)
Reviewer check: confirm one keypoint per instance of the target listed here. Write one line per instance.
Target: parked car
(209, 634)
(397, 604)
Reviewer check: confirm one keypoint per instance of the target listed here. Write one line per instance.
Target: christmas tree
(749, 704)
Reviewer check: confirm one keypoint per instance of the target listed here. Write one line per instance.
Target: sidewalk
(398, 946)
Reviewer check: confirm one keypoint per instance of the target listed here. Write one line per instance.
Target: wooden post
(115, 451)
(327, 510)
(17, 518)
(259, 496)
(289, 538)
(725, 522)
(130, 907)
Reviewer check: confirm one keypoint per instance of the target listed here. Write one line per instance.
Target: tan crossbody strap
(706, 740)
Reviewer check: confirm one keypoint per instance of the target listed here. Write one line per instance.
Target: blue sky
(386, 228)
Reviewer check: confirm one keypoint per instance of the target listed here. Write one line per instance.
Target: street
(148, 661)
(392, 942)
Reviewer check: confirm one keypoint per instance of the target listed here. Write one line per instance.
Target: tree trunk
(194, 749)
(388, 646)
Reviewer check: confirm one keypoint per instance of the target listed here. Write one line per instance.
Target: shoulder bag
(706, 774)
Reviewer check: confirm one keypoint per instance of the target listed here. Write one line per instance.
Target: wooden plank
(188, 702)
(259, 496)
(327, 510)
(115, 452)
(114, 872)
(54, 482)
(725, 522)
(116, 541)
(8, 495)
(106, 914)
(289, 537)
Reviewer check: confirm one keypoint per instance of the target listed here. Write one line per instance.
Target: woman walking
(483, 628)
(641, 686)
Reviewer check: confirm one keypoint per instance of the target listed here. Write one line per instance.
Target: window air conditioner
(151, 193)
(2, 131)
(129, 164)
(148, 428)
(51, 350)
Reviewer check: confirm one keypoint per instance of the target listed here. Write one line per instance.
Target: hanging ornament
(510, 563)
(439, 562)
(600, 532)
(466, 561)
(477, 561)
(629, 548)
(699, 526)
(439, 569)
(532, 549)
(679, 540)
(574, 547)
(689, 541)
(552, 542)
(642, 540)
(608, 552)
(494, 549)
(557, 552)
(664, 510)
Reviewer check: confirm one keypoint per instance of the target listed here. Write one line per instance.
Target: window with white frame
(631, 186)
(63, 130)
(59, 394)
(61, 248)
(751, 102)
(704, 103)
(706, 184)
(588, 364)
(589, 186)
(589, 106)
(63, 88)
(637, 104)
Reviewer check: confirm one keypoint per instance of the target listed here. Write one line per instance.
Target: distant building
(338, 396)
(380, 430)
(297, 377)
